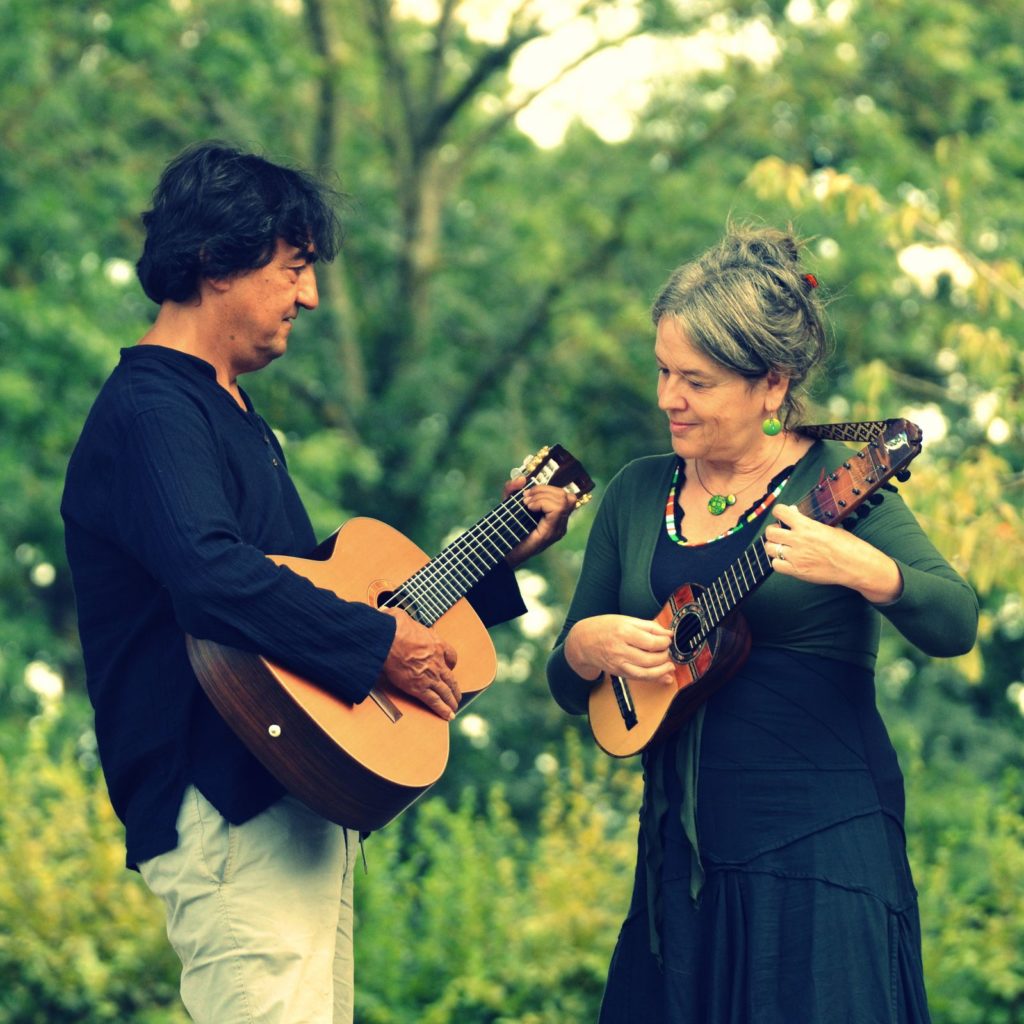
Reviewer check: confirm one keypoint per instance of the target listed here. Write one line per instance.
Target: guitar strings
(725, 592)
(436, 586)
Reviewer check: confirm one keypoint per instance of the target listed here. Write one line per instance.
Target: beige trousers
(260, 914)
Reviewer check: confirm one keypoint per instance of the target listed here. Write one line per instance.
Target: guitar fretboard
(448, 577)
(834, 497)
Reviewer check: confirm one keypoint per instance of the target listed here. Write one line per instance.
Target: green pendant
(718, 503)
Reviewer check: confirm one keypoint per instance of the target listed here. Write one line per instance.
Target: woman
(772, 884)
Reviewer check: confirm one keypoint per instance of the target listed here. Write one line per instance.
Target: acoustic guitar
(710, 638)
(361, 765)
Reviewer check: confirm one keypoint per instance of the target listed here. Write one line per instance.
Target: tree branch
(334, 276)
(442, 37)
(326, 103)
(492, 61)
(519, 346)
(395, 75)
(501, 119)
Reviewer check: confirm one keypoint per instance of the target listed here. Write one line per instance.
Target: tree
(492, 294)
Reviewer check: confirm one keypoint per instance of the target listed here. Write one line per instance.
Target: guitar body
(626, 716)
(361, 765)
(356, 764)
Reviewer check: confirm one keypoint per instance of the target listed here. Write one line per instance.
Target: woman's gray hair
(749, 305)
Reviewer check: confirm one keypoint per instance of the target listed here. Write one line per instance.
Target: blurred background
(520, 179)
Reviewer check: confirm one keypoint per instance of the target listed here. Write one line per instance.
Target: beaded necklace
(747, 517)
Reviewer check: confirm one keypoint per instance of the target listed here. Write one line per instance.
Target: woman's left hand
(816, 553)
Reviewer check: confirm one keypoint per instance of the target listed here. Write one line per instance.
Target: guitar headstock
(902, 441)
(554, 466)
(842, 491)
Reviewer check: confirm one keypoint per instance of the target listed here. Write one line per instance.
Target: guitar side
(626, 715)
(359, 765)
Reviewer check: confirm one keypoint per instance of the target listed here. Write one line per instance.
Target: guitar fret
(443, 581)
(725, 592)
(825, 503)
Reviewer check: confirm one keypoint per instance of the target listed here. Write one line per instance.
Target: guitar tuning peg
(876, 499)
(529, 461)
(863, 511)
(903, 475)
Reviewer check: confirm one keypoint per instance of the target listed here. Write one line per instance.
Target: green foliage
(80, 938)
(491, 298)
(464, 917)
(967, 848)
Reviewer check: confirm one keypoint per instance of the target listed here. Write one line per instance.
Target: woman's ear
(776, 389)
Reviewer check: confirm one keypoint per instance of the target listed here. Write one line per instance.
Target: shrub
(81, 939)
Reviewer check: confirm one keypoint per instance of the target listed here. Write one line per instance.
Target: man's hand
(555, 505)
(420, 664)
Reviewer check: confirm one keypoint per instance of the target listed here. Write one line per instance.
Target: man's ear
(215, 284)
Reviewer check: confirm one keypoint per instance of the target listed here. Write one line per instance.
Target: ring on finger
(779, 554)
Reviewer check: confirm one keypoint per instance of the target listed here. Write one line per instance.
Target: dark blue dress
(806, 911)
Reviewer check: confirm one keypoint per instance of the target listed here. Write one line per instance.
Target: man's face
(259, 306)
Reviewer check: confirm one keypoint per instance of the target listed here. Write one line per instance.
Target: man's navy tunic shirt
(173, 496)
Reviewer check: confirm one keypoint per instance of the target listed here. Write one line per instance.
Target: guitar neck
(830, 501)
(449, 576)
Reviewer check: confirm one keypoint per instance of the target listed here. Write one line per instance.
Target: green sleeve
(596, 593)
(615, 576)
(937, 610)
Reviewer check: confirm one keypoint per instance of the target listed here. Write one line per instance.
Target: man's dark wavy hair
(218, 211)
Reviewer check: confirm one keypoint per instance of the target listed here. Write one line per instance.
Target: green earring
(772, 425)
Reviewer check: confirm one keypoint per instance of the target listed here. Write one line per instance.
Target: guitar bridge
(625, 701)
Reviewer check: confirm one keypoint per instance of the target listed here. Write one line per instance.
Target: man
(176, 491)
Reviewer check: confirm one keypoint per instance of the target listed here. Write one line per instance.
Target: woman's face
(713, 413)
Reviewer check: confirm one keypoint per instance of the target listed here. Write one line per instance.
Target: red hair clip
(811, 280)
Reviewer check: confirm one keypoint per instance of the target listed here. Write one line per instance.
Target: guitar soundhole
(399, 599)
(686, 628)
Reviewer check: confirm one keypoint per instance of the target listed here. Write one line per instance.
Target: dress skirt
(806, 912)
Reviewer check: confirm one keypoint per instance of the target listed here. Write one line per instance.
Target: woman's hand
(816, 553)
(622, 646)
